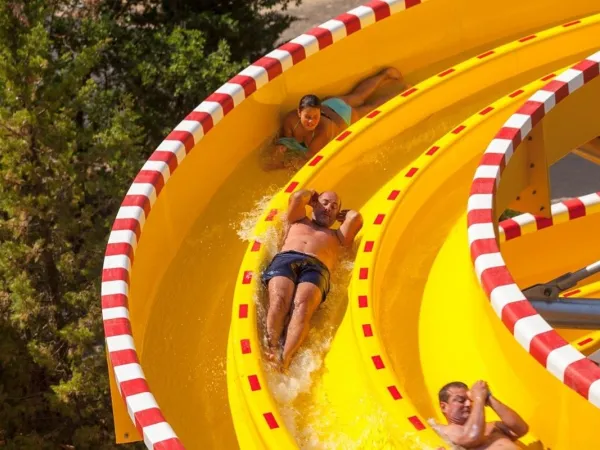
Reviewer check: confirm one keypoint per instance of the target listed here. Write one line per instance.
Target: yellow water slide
(183, 322)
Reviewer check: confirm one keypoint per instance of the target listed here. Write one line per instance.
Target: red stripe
(115, 274)
(484, 111)
(378, 362)
(571, 293)
(569, 24)
(293, 185)
(271, 215)
(446, 72)
(248, 83)
(169, 444)
(590, 69)
(185, 137)
(432, 150)
(225, 100)
(363, 273)
(254, 383)
(123, 357)
(394, 392)
(297, 51)
(543, 343)
(492, 159)
(344, 135)
(133, 387)
(368, 246)
(153, 177)
(528, 38)
(494, 277)
(245, 346)
(580, 375)
(411, 172)
(458, 129)
(393, 195)
(416, 423)
(148, 417)
(576, 208)
(114, 301)
(486, 54)
(512, 312)
(516, 93)
(379, 219)
(247, 278)
(271, 420)
(323, 35)
(478, 216)
(271, 65)
(408, 92)
(548, 77)
(543, 222)
(243, 311)
(168, 158)
(585, 341)
(533, 109)
(381, 9)
(255, 246)
(117, 327)
(483, 186)
(411, 3)
(367, 330)
(140, 201)
(511, 229)
(373, 114)
(560, 89)
(119, 249)
(482, 247)
(202, 117)
(315, 161)
(512, 134)
(362, 301)
(351, 22)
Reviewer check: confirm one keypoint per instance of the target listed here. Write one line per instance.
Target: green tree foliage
(87, 90)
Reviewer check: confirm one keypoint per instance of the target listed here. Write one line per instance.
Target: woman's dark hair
(309, 101)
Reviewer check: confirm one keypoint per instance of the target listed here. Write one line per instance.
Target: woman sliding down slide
(315, 123)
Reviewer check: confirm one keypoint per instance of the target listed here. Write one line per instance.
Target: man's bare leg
(306, 301)
(365, 88)
(281, 291)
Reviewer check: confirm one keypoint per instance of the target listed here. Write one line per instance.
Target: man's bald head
(327, 208)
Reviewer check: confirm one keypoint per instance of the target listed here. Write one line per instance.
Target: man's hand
(480, 390)
(314, 198)
(341, 216)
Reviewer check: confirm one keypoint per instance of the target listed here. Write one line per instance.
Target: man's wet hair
(309, 101)
(444, 395)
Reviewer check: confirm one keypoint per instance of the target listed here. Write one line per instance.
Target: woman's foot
(392, 73)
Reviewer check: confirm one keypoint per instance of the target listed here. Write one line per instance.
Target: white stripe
(365, 14)
(505, 295)
(524, 219)
(500, 146)
(560, 358)
(141, 402)
(114, 287)
(396, 5)
(283, 56)
(488, 261)
(546, 97)
(191, 126)
(132, 212)
(520, 121)
(175, 147)
(118, 312)
(590, 199)
(529, 327)
(487, 172)
(145, 189)
(158, 166)
(310, 43)
(336, 27)
(481, 231)
(123, 237)
(236, 91)
(594, 393)
(117, 262)
(118, 343)
(573, 77)
(213, 108)
(480, 201)
(128, 372)
(258, 73)
(158, 432)
(595, 57)
(560, 213)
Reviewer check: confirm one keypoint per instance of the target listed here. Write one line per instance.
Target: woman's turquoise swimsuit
(338, 105)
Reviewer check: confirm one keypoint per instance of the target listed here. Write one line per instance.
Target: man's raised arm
(297, 204)
(512, 424)
(352, 222)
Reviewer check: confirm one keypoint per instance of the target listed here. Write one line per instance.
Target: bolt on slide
(183, 323)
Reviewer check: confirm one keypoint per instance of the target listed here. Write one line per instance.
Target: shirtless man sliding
(298, 276)
(465, 412)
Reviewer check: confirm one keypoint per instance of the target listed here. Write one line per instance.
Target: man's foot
(272, 357)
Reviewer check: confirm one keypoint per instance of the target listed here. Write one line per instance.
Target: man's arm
(351, 225)
(297, 204)
(512, 424)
